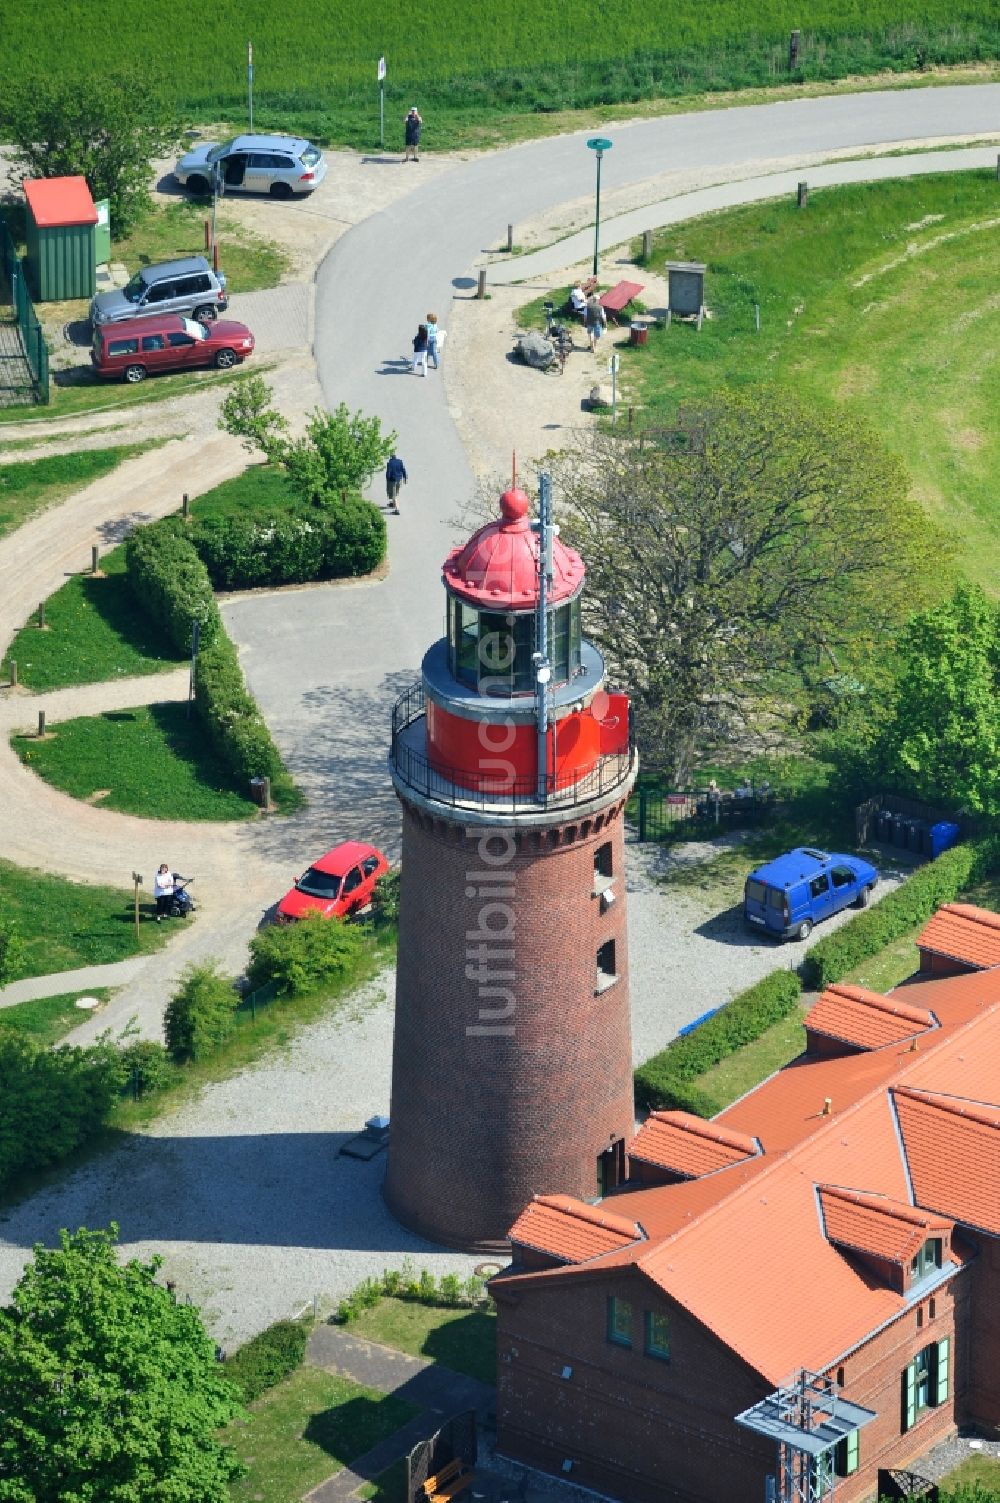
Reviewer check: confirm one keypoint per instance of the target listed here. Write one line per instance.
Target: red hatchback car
(339, 883)
(136, 347)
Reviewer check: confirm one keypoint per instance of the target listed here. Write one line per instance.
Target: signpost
(599, 145)
(250, 81)
(613, 364)
(381, 103)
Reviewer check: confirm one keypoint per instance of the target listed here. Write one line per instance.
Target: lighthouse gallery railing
(444, 783)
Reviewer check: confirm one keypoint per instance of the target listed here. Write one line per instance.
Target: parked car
(339, 883)
(186, 286)
(790, 895)
(279, 165)
(131, 351)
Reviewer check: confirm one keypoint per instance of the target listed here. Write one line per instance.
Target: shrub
(450, 1288)
(267, 1358)
(940, 881)
(404, 1283)
(12, 950)
(146, 1064)
(246, 552)
(306, 955)
(665, 1080)
(229, 713)
(357, 539)
(385, 898)
(200, 1016)
(52, 1099)
(171, 583)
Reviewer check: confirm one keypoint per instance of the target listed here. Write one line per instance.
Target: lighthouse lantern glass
(492, 650)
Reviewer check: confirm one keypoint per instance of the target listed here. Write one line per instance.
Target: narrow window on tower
(607, 974)
(603, 868)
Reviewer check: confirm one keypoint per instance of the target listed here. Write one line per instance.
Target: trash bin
(260, 791)
(941, 837)
(638, 334)
(899, 823)
(914, 835)
(885, 825)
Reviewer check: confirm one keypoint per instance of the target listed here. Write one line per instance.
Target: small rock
(600, 396)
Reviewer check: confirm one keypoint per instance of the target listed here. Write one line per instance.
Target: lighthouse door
(611, 1167)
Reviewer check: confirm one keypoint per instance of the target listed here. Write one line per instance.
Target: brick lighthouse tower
(512, 1070)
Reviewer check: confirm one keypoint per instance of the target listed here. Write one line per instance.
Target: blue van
(792, 893)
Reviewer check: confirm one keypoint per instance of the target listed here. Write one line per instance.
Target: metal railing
(36, 352)
(445, 784)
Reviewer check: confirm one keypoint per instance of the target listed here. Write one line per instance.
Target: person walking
(596, 321)
(435, 339)
(420, 349)
(395, 476)
(412, 126)
(163, 890)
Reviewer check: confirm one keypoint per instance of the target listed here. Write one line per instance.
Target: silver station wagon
(279, 165)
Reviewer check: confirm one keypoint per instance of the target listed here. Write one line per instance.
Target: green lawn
(152, 761)
(74, 392)
(94, 630)
(261, 489)
(27, 486)
(462, 1339)
(65, 925)
(731, 1078)
(307, 1428)
(975, 1469)
(48, 1019)
(879, 297)
(389, 1486)
(171, 231)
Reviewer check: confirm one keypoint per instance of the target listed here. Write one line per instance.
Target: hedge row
(172, 585)
(267, 1358)
(940, 881)
(229, 713)
(242, 553)
(666, 1080)
(52, 1099)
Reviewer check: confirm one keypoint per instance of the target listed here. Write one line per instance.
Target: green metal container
(60, 233)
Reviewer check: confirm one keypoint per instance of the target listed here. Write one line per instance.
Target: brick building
(843, 1219)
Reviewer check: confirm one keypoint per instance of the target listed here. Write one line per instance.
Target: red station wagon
(136, 347)
(339, 883)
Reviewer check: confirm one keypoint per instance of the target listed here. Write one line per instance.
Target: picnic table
(617, 298)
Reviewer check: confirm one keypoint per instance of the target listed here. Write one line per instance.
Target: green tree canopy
(109, 1390)
(729, 557)
(102, 127)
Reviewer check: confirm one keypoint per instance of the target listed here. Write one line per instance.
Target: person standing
(435, 339)
(412, 126)
(163, 890)
(420, 349)
(395, 476)
(596, 321)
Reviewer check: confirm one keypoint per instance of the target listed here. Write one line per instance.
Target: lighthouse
(512, 760)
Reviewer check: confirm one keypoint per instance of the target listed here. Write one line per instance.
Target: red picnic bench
(617, 299)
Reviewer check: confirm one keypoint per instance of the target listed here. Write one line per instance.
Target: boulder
(600, 396)
(535, 350)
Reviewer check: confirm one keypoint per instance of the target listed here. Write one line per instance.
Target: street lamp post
(599, 145)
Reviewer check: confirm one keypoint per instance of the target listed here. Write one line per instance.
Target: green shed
(61, 230)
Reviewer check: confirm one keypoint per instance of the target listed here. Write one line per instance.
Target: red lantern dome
(498, 566)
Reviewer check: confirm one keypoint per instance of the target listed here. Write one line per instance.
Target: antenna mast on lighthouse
(543, 669)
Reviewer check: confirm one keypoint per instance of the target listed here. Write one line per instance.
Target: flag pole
(250, 81)
(381, 103)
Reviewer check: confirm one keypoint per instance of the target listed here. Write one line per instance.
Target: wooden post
(265, 793)
(481, 289)
(13, 673)
(647, 245)
(185, 507)
(802, 196)
(998, 169)
(93, 559)
(137, 883)
(208, 234)
(631, 416)
(41, 724)
(793, 51)
(215, 256)
(41, 613)
(510, 237)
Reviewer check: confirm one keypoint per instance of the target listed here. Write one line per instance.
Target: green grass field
(249, 261)
(880, 297)
(48, 1019)
(469, 66)
(64, 925)
(28, 486)
(462, 1339)
(152, 761)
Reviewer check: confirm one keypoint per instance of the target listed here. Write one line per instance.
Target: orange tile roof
(866, 1019)
(875, 1224)
(689, 1145)
(963, 932)
(953, 1152)
(570, 1229)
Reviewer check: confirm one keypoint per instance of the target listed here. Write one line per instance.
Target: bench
(452, 1479)
(588, 285)
(618, 298)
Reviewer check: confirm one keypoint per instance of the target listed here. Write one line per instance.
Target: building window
(925, 1381)
(927, 1259)
(603, 860)
(619, 1321)
(657, 1335)
(607, 975)
(845, 1454)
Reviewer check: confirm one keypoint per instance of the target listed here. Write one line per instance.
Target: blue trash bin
(942, 836)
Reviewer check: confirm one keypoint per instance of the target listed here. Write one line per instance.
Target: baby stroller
(181, 901)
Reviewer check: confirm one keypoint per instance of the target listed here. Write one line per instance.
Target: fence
(25, 371)
(688, 813)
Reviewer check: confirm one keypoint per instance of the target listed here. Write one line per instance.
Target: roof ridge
(973, 913)
(897, 1209)
(879, 1002)
(986, 1112)
(705, 1127)
(568, 1205)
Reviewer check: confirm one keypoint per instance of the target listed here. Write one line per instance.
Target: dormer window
(927, 1259)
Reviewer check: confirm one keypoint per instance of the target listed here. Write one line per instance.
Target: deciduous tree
(109, 1390)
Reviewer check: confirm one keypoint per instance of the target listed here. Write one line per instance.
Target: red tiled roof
(59, 200)
(866, 1019)
(953, 1152)
(688, 1144)
(875, 1224)
(570, 1229)
(963, 932)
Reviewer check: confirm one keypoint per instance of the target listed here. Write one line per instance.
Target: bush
(171, 583)
(200, 1016)
(385, 898)
(664, 1081)
(267, 1358)
(145, 1065)
(404, 1283)
(52, 1099)
(246, 552)
(229, 713)
(940, 881)
(306, 955)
